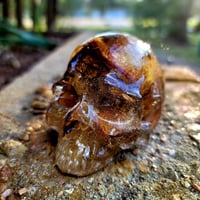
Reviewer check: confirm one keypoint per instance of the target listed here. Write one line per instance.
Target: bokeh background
(170, 26)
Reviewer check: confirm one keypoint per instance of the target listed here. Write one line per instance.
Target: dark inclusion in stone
(109, 99)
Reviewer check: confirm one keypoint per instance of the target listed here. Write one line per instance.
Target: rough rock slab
(167, 168)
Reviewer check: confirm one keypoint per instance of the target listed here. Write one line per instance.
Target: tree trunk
(19, 13)
(37, 15)
(179, 21)
(5, 9)
(33, 13)
(51, 14)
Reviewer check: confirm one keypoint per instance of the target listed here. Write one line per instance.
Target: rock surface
(12, 148)
(167, 168)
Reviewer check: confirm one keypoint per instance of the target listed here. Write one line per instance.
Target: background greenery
(172, 26)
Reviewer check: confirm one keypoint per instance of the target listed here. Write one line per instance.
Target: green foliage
(12, 35)
(70, 6)
(39, 12)
(169, 17)
(101, 5)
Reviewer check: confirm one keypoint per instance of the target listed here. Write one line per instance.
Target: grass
(188, 53)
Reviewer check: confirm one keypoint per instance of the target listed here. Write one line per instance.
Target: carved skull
(108, 100)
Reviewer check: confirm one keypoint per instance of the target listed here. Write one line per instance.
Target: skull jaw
(83, 153)
(89, 147)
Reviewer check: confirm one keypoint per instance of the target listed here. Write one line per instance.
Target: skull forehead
(119, 56)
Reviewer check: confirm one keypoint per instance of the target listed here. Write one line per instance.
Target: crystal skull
(109, 99)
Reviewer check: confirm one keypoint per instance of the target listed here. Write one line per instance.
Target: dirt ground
(168, 167)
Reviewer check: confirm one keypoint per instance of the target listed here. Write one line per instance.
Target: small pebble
(171, 152)
(35, 131)
(48, 93)
(155, 168)
(6, 193)
(143, 167)
(196, 187)
(175, 197)
(40, 105)
(13, 148)
(10, 59)
(102, 190)
(5, 173)
(29, 129)
(25, 136)
(120, 170)
(62, 181)
(44, 90)
(163, 138)
(198, 172)
(36, 125)
(90, 180)
(69, 191)
(194, 127)
(196, 138)
(15, 63)
(126, 182)
(22, 191)
(69, 188)
(135, 152)
(60, 194)
(186, 184)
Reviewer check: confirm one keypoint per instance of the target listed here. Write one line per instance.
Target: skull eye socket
(52, 136)
(70, 126)
(67, 95)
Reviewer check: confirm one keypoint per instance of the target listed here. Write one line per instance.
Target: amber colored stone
(109, 99)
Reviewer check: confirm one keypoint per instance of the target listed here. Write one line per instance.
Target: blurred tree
(6, 11)
(105, 5)
(51, 14)
(18, 13)
(195, 12)
(70, 6)
(102, 6)
(169, 16)
(195, 7)
(5, 6)
(37, 13)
